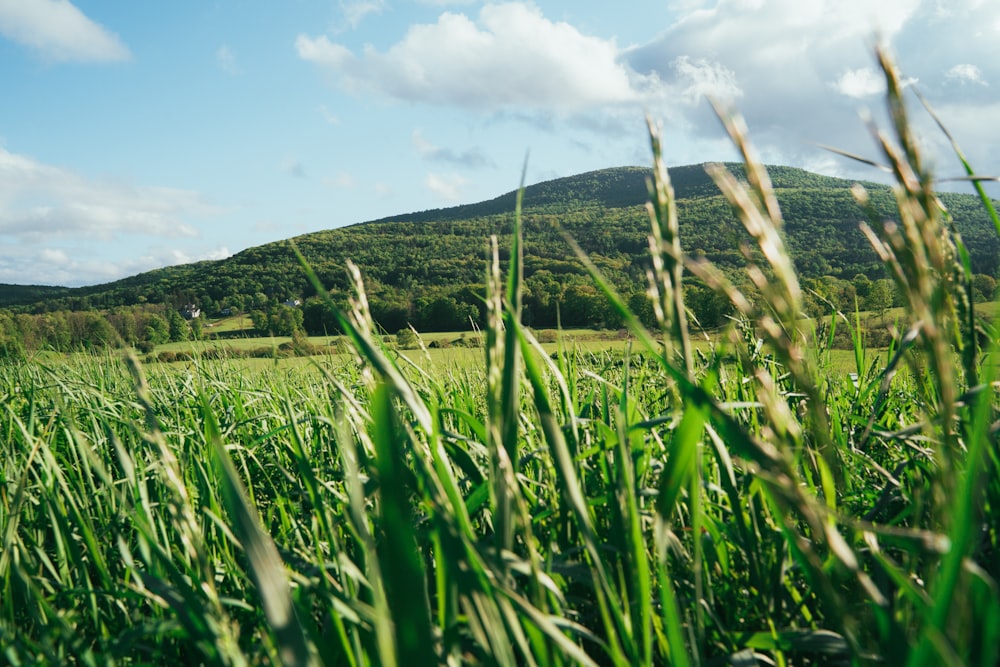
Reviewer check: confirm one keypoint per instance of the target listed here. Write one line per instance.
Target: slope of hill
(13, 295)
(411, 261)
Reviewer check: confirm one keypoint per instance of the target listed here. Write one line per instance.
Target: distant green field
(594, 346)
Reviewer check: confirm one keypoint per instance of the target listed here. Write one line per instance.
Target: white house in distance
(190, 311)
(292, 303)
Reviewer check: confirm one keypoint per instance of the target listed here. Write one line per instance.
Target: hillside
(13, 295)
(420, 261)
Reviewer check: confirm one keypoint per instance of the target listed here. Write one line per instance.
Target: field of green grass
(648, 501)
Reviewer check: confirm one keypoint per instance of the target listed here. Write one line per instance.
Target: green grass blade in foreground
(632, 548)
(401, 562)
(266, 567)
(504, 378)
(681, 461)
(680, 467)
(620, 644)
(947, 586)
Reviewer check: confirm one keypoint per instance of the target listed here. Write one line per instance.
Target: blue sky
(135, 135)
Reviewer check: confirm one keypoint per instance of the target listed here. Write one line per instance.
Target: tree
(196, 328)
(285, 320)
(446, 314)
(406, 339)
(879, 298)
(862, 285)
(91, 330)
(585, 305)
(27, 331)
(640, 304)
(157, 329)
(123, 320)
(177, 326)
(318, 319)
(984, 287)
(54, 331)
(11, 346)
(708, 306)
(542, 295)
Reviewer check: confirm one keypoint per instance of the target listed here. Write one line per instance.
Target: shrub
(406, 339)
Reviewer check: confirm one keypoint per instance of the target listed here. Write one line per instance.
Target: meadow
(658, 501)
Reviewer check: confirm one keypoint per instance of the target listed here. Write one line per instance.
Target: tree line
(88, 330)
(550, 300)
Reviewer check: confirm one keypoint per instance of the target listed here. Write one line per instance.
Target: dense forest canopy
(426, 269)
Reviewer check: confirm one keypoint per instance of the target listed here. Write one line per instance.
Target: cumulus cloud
(446, 186)
(700, 78)
(804, 71)
(42, 201)
(860, 83)
(510, 56)
(472, 158)
(59, 32)
(966, 73)
(799, 72)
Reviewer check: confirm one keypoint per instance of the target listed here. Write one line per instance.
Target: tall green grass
(673, 504)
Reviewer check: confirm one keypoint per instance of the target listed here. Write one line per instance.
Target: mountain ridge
(444, 249)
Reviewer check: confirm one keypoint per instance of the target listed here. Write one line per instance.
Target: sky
(135, 135)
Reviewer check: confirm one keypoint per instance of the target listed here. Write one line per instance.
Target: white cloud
(799, 72)
(701, 78)
(42, 201)
(59, 31)
(511, 56)
(472, 158)
(79, 266)
(226, 60)
(323, 52)
(966, 73)
(806, 69)
(446, 186)
(355, 11)
(860, 83)
(53, 256)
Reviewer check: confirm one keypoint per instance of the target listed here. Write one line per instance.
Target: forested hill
(427, 268)
(621, 187)
(11, 295)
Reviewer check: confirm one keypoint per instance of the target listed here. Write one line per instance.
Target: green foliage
(177, 327)
(157, 329)
(985, 287)
(406, 339)
(281, 320)
(880, 297)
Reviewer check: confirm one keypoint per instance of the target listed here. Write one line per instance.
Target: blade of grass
(266, 566)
